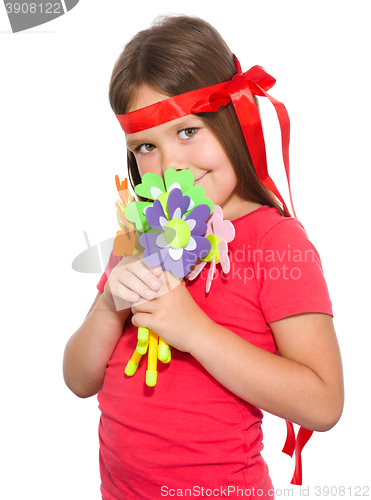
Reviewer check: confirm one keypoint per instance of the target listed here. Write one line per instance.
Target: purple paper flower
(180, 240)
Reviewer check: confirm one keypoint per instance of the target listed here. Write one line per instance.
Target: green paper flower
(153, 187)
(134, 213)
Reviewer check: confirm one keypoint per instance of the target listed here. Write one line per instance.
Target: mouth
(198, 180)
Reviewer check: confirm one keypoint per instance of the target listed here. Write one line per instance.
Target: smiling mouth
(197, 180)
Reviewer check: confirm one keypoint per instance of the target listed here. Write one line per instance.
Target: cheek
(145, 164)
(215, 159)
(212, 155)
(223, 172)
(141, 170)
(221, 185)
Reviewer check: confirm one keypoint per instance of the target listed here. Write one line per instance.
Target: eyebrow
(183, 124)
(133, 143)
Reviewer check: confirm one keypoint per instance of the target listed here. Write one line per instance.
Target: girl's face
(186, 143)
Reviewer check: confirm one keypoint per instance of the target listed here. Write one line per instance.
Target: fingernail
(154, 283)
(149, 292)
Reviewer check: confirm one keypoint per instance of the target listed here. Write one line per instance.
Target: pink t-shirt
(189, 435)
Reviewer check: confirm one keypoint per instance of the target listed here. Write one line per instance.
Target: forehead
(145, 97)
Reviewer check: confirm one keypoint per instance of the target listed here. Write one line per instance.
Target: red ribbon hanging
(239, 90)
(296, 445)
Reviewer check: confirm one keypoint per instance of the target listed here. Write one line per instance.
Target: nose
(173, 159)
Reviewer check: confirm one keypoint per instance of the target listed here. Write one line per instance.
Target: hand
(131, 281)
(173, 315)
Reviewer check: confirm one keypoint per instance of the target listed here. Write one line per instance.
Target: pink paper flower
(219, 232)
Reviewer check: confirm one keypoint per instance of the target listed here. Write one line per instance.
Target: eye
(146, 148)
(187, 133)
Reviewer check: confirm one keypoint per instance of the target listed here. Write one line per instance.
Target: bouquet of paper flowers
(178, 228)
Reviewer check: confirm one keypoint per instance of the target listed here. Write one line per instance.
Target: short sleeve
(290, 273)
(112, 263)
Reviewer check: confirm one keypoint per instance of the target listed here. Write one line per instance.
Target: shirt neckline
(253, 212)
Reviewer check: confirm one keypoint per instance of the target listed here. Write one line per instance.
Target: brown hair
(175, 55)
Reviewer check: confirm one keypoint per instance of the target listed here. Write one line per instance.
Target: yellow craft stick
(133, 364)
(143, 338)
(141, 348)
(151, 374)
(164, 354)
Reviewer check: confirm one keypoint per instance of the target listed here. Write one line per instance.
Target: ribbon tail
(284, 121)
(301, 440)
(252, 129)
(289, 446)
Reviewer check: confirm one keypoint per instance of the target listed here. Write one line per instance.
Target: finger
(144, 273)
(136, 289)
(123, 297)
(139, 281)
(168, 283)
(156, 270)
(132, 260)
(142, 320)
(146, 306)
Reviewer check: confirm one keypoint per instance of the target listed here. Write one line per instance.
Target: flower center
(177, 233)
(214, 252)
(163, 200)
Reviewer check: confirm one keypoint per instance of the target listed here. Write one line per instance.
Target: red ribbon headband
(239, 90)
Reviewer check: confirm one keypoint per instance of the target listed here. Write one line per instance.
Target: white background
(60, 148)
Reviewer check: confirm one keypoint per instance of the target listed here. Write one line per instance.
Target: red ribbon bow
(239, 90)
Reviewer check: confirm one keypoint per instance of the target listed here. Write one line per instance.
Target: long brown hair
(175, 55)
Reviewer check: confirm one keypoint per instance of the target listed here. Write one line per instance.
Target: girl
(262, 338)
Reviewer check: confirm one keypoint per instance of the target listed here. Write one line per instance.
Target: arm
(91, 347)
(303, 385)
